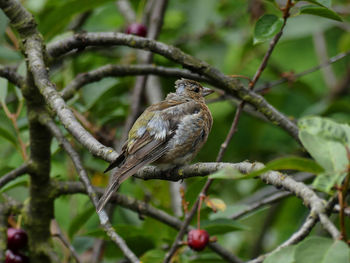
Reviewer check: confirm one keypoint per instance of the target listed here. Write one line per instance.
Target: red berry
(198, 239)
(16, 239)
(12, 257)
(136, 29)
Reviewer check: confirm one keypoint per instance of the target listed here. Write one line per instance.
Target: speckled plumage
(169, 133)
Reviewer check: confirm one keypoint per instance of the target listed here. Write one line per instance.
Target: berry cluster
(17, 240)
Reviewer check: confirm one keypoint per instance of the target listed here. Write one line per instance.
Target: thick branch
(310, 199)
(11, 75)
(34, 51)
(230, 85)
(142, 208)
(119, 71)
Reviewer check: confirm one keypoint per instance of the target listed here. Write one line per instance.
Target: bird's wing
(146, 122)
(147, 142)
(150, 152)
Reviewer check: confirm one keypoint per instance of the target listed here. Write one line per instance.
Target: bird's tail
(120, 176)
(113, 187)
(129, 168)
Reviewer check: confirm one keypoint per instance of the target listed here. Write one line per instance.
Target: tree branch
(65, 241)
(126, 10)
(310, 199)
(23, 169)
(332, 60)
(154, 27)
(104, 220)
(119, 71)
(229, 84)
(265, 196)
(11, 75)
(142, 208)
(299, 235)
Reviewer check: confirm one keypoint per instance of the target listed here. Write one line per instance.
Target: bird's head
(191, 89)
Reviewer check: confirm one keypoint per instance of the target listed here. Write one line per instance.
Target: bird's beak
(207, 91)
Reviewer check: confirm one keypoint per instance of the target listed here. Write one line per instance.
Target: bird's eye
(196, 90)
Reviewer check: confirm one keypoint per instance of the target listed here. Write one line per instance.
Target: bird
(169, 134)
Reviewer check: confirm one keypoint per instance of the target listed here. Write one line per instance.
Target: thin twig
(104, 220)
(272, 45)
(320, 47)
(303, 73)
(231, 132)
(229, 136)
(65, 242)
(256, 205)
(23, 169)
(139, 207)
(126, 10)
(299, 235)
(79, 21)
(11, 75)
(154, 27)
(230, 85)
(125, 70)
(13, 118)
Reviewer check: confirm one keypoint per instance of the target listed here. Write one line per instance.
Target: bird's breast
(191, 133)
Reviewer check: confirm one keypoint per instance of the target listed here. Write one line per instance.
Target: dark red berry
(198, 239)
(16, 239)
(12, 257)
(136, 29)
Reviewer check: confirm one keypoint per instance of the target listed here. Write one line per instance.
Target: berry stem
(19, 221)
(202, 196)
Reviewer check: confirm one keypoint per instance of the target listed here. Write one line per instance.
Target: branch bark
(104, 220)
(23, 169)
(142, 208)
(228, 84)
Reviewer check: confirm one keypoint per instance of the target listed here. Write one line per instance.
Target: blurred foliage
(221, 33)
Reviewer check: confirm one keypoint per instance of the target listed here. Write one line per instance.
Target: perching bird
(169, 133)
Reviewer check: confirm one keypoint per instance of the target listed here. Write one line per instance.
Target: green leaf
(3, 23)
(22, 69)
(285, 255)
(320, 11)
(228, 173)
(21, 181)
(324, 3)
(18, 93)
(93, 92)
(205, 257)
(266, 27)
(3, 89)
(57, 14)
(320, 249)
(325, 181)
(154, 255)
(325, 140)
(137, 240)
(221, 226)
(8, 136)
(79, 221)
(290, 163)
